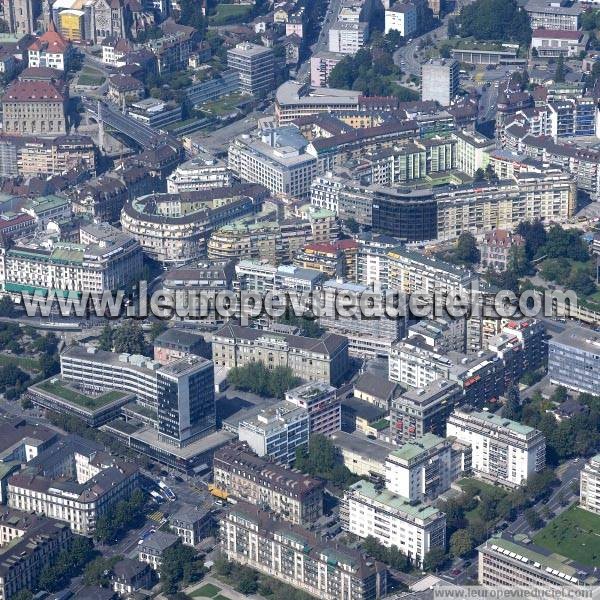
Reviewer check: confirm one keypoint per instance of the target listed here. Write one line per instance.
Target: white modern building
(348, 38)
(256, 66)
(199, 174)
(276, 431)
(421, 469)
(589, 489)
(392, 520)
(323, 406)
(401, 18)
(503, 451)
(285, 170)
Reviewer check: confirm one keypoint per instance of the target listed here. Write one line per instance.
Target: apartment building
(173, 228)
(285, 170)
(503, 451)
(256, 67)
(154, 546)
(347, 37)
(562, 15)
(366, 336)
(573, 360)
(239, 472)
(589, 487)
(249, 536)
(43, 156)
(423, 410)
(73, 481)
(410, 271)
(191, 524)
(29, 544)
(51, 49)
(414, 528)
(440, 81)
(199, 173)
(324, 359)
(263, 277)
(335, 259)
(110, 260)
(362, 456)
(276, 431)
(472, 151)
(401, 17)
(506, 561)
(174, 48)
(323, 405)
(35, 108)
(496, 248)
(423, 468)
(321, 65)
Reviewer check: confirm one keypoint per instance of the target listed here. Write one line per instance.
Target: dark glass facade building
(186, 400)
(410, 215)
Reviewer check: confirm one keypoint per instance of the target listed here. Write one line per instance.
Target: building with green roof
(503, 451)
(414, 527)
(516, 562)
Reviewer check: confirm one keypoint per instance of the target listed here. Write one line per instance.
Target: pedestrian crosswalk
(156, 516)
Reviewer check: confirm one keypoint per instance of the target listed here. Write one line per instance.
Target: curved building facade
(410, 215)
(173, 228)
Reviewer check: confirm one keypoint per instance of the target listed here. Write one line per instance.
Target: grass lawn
(224, 105)
(574, 534)
(230, 13)
(90, 77)
(475, 487)
(30, 364)
(207, 591)
(221, 597)
(70, 395)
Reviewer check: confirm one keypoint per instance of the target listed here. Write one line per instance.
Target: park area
(230, 13)
(209, 590)
(574, 534)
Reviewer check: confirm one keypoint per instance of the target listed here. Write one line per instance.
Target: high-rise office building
(255, 64)
(439, 81)
(186, 400)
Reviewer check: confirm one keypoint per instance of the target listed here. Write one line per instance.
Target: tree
(181, 565)
(98, 571)
(105, 341)
(7, 307)
(461, 543)
(479, 175)
(533, 518)
(129, 338)
(518, 262)
(512, 407)
(535, 237)
(246, 580)
(352, 225)
(560, 394)
(26, 403)
(490, 174)
(466, 249)
(559, 74)
(434, 559)
(321, 459)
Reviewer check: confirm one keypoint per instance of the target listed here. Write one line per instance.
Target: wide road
(560, 499)
(322, 43)
(405, 57)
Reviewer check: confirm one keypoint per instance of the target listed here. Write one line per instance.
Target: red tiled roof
(51, 41)
(334, 247)
(27, 91)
